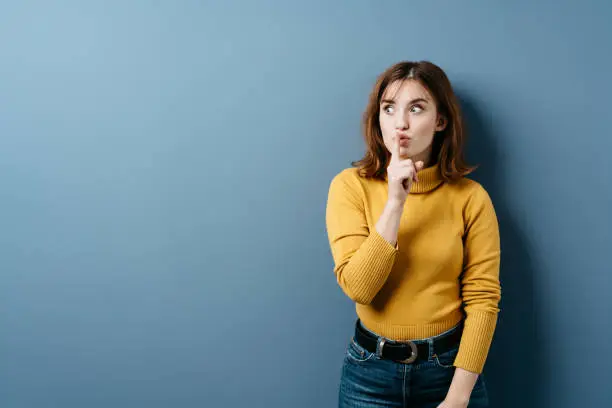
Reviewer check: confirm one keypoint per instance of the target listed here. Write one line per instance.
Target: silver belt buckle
(409, 360)
(413, 356)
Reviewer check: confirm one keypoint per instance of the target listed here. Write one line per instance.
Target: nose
(401, 121)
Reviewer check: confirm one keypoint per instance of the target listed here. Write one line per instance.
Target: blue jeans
(370, 381)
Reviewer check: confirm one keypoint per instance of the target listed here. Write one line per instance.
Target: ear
(441, 125)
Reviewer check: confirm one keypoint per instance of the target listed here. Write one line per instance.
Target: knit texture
(443, 269)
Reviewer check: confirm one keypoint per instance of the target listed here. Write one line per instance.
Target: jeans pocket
(356, 353)
(446, 359)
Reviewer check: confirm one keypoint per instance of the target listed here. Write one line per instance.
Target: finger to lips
(396, 147)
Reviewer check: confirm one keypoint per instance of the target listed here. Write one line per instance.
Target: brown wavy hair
(448, 144)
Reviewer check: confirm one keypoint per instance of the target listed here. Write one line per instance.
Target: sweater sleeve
(480, 285)
(362, 258)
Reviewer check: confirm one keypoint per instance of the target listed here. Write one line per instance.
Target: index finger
(396, 148)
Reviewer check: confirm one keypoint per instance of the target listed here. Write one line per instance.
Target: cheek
(387, 129)
(424, 125)
(384, 122)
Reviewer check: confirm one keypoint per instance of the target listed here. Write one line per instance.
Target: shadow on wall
(515, 367)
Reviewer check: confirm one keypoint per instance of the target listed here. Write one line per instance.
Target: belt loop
(430, 344)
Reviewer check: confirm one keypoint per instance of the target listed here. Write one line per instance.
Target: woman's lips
(404, 141)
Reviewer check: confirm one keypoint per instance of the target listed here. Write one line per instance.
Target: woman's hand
(401, 174)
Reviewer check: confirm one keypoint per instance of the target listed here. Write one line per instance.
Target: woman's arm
(461, 388)
(389, 221)
(363, 258)
(480, 285)
(481, 292)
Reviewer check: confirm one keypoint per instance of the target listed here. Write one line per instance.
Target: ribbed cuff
(476, 340)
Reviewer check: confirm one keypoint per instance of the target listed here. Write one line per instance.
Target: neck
(429, 179)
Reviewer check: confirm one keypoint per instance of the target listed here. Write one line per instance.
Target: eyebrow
(409, 103)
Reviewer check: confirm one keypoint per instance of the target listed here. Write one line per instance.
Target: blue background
(164, 168)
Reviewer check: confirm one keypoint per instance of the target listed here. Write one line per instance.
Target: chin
(408, 152)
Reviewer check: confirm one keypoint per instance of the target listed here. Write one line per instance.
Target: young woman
(416, 245)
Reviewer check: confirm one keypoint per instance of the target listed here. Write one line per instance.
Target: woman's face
(408, 111)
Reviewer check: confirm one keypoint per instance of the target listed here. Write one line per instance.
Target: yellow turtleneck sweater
(444, 268)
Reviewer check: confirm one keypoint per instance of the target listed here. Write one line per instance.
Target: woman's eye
(416, 109)
(388, 109)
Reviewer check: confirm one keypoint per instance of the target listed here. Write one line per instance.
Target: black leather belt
(406, 351)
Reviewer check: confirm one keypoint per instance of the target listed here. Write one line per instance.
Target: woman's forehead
(406, 90)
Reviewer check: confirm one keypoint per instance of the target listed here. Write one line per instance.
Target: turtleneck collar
(429, 179)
